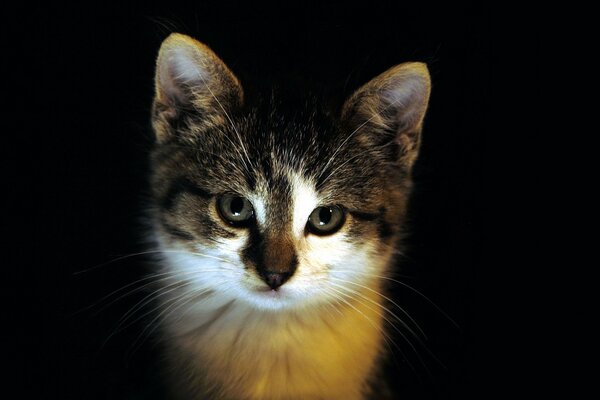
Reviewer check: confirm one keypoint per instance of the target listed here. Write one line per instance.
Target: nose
(276, 279)
(277, 262)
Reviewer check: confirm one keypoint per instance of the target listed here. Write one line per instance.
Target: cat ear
(391, 107)
(190, 78)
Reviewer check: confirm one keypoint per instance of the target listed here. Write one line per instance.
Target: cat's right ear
(191, 80)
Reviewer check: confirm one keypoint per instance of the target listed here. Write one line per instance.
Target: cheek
(338, 257)
(227, 248)
(319, 254)
(204, 265)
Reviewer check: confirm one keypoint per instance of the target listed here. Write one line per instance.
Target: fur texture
(318, 336)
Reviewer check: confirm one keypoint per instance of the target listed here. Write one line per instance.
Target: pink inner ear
(179, 71)
(397, 97)
(188, 72)
(409, 96)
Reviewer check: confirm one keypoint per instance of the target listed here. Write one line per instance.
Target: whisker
(424, 297)
(156, 294)
(115, 260)
(385, 297)
(150, 277)
(372, 275)
(385, 336)
(179, 280)
(142, 253)
(169, 310)
(153, 296)
(404, 324)
(174, 273)
(165, 307)
(411, 319)
(170, 275)
(392, 325)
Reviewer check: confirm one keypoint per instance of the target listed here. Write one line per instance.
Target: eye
(235, 210)
(326, 220)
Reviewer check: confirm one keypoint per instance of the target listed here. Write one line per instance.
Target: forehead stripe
(304, 201)
(365, 216)
(181, 234)
(182, 185)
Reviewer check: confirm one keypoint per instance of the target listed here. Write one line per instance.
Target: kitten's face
(277, 206)
(281, 198)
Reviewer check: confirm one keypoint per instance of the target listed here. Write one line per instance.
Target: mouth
(266, 298)
(270, 293)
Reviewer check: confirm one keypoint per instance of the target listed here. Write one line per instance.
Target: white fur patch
(259, 209)
(185, 66)
(305, 200)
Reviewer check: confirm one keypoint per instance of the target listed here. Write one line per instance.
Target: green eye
(326, 220)
(235, 210)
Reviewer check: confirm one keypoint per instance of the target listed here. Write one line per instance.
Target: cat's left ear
(191, 78)
(391, 107)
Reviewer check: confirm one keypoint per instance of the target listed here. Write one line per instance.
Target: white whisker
(385, 297)
(381, 314)
(168, 310)
(404, 324)
(385, 336)
(153, 296)
(420, 294)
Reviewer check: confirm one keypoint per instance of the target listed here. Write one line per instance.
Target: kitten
(276, 224)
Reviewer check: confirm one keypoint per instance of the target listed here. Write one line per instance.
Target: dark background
(84, 86)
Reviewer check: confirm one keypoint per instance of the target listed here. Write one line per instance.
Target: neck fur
(247, 353)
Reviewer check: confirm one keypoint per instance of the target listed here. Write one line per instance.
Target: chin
(289, 297)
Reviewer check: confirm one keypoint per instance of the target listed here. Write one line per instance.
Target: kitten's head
(277, 205)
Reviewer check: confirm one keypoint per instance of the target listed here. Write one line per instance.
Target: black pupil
(324, 215)
(237, 205)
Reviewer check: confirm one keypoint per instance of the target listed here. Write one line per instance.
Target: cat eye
(326, 220)
(235, 210)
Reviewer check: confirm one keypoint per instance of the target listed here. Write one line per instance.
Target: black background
(84, 88)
